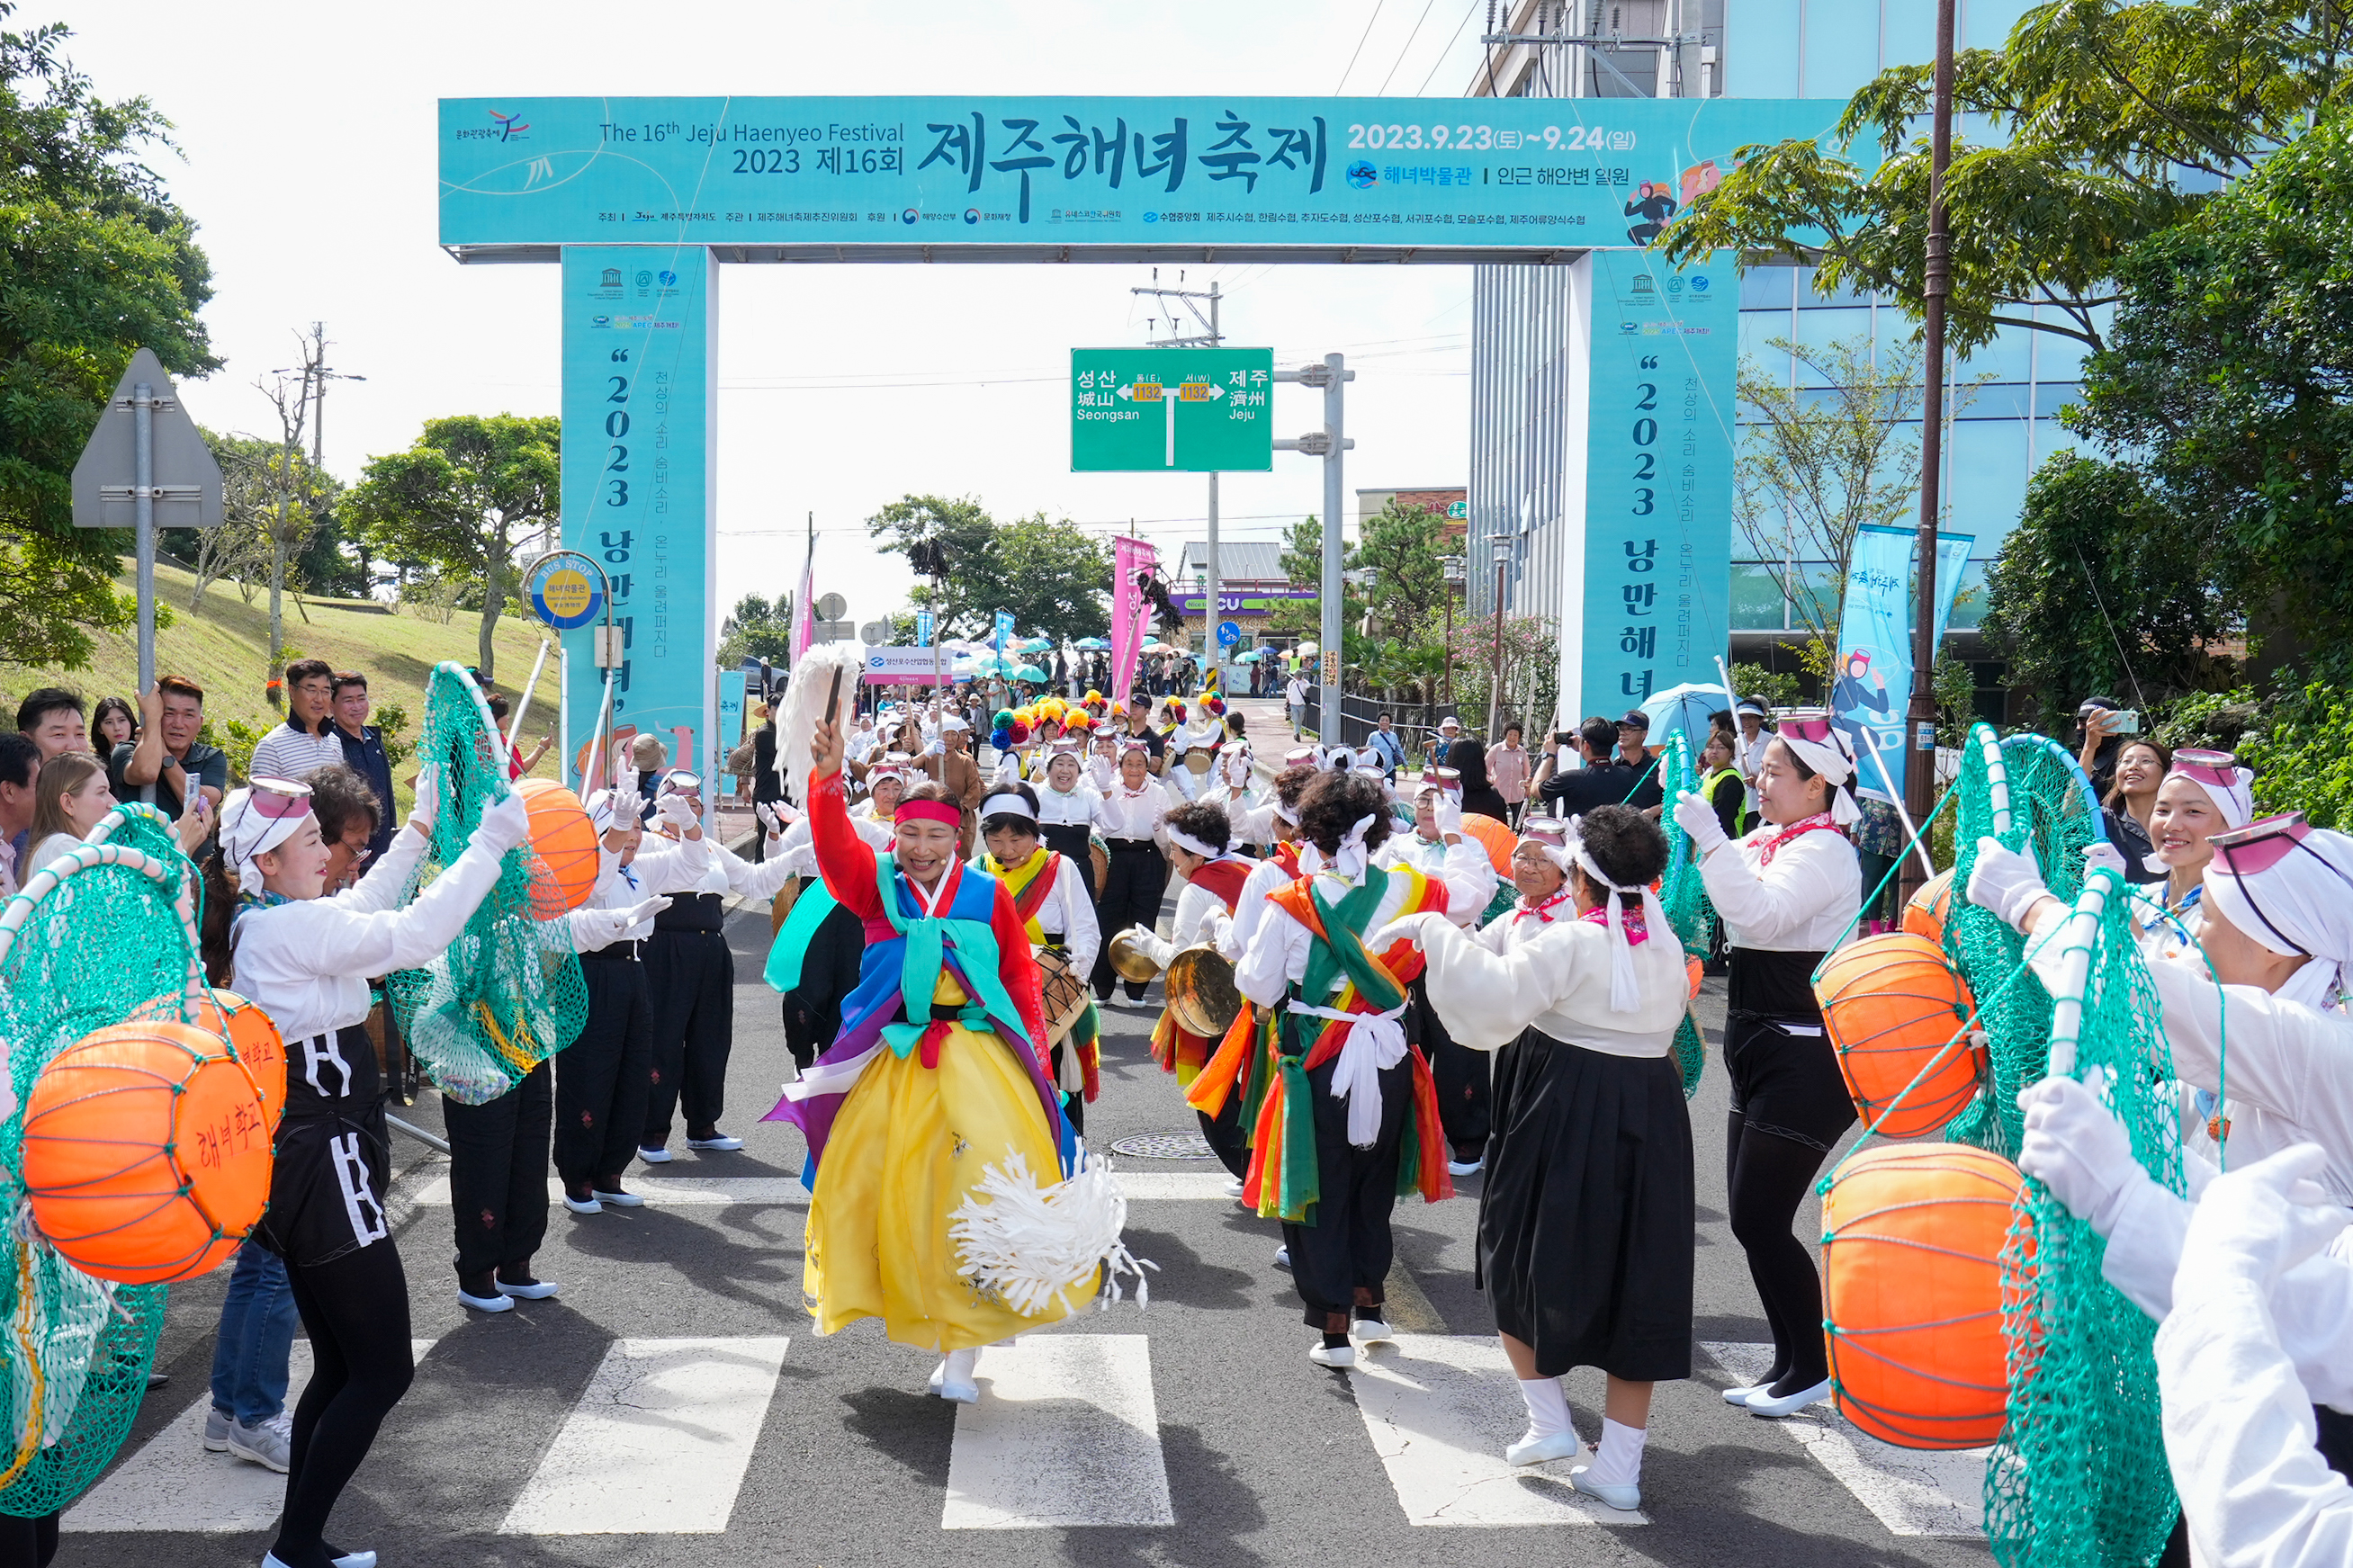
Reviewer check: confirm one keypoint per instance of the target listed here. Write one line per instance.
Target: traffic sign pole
(142, 412)
(1328, 442)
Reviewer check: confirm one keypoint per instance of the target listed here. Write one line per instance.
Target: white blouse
(1200, 916)
(1077, 808)
(1066, 913)
(669, 868)
(307, 963)
(1433, 858)
(1279, 946)
(1803, 903)
(1134, 813)
(1553, 978)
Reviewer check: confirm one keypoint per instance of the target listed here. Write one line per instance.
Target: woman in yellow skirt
(931, 1125)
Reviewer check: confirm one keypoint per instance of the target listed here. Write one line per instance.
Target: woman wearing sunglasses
(1787, 892)
(301, 954)
(2253, 1325)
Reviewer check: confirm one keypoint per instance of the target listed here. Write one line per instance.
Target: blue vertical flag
(1871, 693)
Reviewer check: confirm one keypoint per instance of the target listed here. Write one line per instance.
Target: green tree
(1052, 576)
(756, 629)
(2092, 110)
(1055, 577)
(95, 262)
(476, 497)
(2100, 589)
(1402, 549)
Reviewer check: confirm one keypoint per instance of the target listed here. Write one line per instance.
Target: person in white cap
(1586, 1222)
(2255, 1347)
(301, 954)
(1787, 893)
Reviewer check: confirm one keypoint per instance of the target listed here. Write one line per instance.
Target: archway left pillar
(640, 494)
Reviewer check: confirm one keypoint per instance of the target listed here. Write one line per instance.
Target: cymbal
(1129, 960)
(1202, 995)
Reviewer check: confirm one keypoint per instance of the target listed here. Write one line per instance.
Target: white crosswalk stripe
(1066, 1432)
(171, 1484)
(659, 1442)
(1912, 1491)
(711, 1192)
(1440, 1408)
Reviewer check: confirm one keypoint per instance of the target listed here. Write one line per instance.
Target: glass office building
(2009, 391)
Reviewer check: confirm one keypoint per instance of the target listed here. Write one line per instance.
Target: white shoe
(356, 1560)
(582, 1205)
(652, 1155)
(1234, 1187)
(1459, 1168)
(721, 1143)
(483, 1303)
(1283, 1258)
(537, 1290)
(1743, 1395)
(1771, 1409)
(1371, 1331)
(953, 1380)
(1627, 1498)
(1332, 1355)
(1532, 1449)
(620, 1200)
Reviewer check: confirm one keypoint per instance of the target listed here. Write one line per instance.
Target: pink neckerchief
(1542, 911)
(1638, 930)
(1819, 822)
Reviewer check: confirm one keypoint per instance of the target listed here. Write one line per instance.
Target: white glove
(1448, 815)
(1218, 930)
(426, 810)
(676, 809)
(1405, 928)
(2257, 1223)
(626, 781)
(593, 929)
(1697, 819)
(505, 824)
(2100, 855)
(2006, 882)
(2077, 1147)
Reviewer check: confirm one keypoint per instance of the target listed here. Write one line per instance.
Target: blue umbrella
(1092, 645)
(1029, 672)
(1684, 708)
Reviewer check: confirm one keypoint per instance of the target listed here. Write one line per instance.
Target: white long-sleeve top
(1242, 807)
(1134, 812)
(2240, 1439)
(1075, 808)
(1197, 908)
(1250, 906)
(1279, 946)
(1068, 913)
(2290, 1066)
(672, 867)
(1431, 857)
(307, 963)
(1803, 903)
(1555, 978)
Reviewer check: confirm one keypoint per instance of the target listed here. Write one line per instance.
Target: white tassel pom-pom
(826, 677)
(1026, 1244)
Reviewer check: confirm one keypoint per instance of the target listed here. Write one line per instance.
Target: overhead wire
(1449, 49)
(1409, 38)
(1360, 44)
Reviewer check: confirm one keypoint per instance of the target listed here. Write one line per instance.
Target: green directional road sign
(1196, 411)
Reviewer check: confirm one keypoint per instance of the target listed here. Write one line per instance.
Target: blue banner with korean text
(1871, 694)
(1657, 576)
(637, 395)
(1510, 173)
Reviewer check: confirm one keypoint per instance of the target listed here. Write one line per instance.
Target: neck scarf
(1543, 913)
(1820, 822)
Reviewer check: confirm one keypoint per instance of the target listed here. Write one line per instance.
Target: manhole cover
(1165, 1146)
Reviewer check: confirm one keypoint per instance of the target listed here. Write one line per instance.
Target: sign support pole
(143, 413)
(1336, 374)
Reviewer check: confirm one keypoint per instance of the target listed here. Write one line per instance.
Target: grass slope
(225, 648)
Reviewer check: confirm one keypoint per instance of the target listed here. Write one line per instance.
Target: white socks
(1548, 1406)
(1618, 1462)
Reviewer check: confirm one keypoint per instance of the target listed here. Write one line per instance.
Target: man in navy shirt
(364, 752)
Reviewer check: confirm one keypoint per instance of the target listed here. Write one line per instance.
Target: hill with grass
(225, 648)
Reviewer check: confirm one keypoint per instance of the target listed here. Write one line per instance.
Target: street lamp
(1454, 567)
(1503, 548)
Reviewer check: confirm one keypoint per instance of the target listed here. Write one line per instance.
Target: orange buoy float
(1912, 1240)
(147, 1152)
(565, 842)
(1495, 837)
(253, 1038)
(1893, 1007)
(1925, 912)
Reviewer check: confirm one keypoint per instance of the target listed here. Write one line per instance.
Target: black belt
(617, 952)
(1130, 843)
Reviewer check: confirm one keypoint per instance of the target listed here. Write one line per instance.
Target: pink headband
(937, 811)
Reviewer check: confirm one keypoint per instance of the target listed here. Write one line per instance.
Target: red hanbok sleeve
(846, 860)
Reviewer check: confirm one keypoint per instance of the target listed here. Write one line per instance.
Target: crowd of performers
(1408, 1018)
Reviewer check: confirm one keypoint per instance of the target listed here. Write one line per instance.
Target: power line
(1360, 44)
(1409, 38)
(1447, 49)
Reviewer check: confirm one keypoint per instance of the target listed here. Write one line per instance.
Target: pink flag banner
(804, 606)
(1131, 611)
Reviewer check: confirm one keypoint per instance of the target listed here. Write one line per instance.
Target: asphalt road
(1195, 1433)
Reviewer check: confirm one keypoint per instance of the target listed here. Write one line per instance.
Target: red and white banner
(1131, 611)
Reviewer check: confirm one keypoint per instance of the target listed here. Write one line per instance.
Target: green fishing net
(2078, 1478)
(85, 951)
(2023, 791)
(1685, 898)
(507, 994)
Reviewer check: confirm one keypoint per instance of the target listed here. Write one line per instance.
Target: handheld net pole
(1731, 698)
(1871, 745)
(522, 703)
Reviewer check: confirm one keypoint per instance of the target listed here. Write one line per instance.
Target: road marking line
(171, 1484)
(1440, 1408)
(1191, 1186)
(669, 1192)
(657, 1443)
(1913, 1491)
(1066, 1433)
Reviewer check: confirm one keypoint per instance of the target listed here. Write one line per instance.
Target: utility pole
(1210, 339)
(1333, 375)
(1920, 769)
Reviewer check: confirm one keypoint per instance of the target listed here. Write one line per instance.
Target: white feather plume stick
(824, 686)
(1026, 1244)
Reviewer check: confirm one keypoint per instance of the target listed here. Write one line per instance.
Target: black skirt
(1586, 1221)
(333, 1157)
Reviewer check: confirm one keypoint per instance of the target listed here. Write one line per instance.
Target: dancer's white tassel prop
(1027, 1244)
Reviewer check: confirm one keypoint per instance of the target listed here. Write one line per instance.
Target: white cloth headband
(1835, 764)
(2304, 903)
(1190, 845)
(1351, 861)
(1006, 806)
(1625, 990)
(257, 820)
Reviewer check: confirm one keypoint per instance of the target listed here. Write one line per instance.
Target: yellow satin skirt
(907, 1148)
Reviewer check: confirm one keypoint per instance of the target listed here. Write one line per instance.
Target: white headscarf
(258, 820)
(1352, 859)
(2299, 904)
(1625, 990)
(1832, 759)
(2231, 787)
